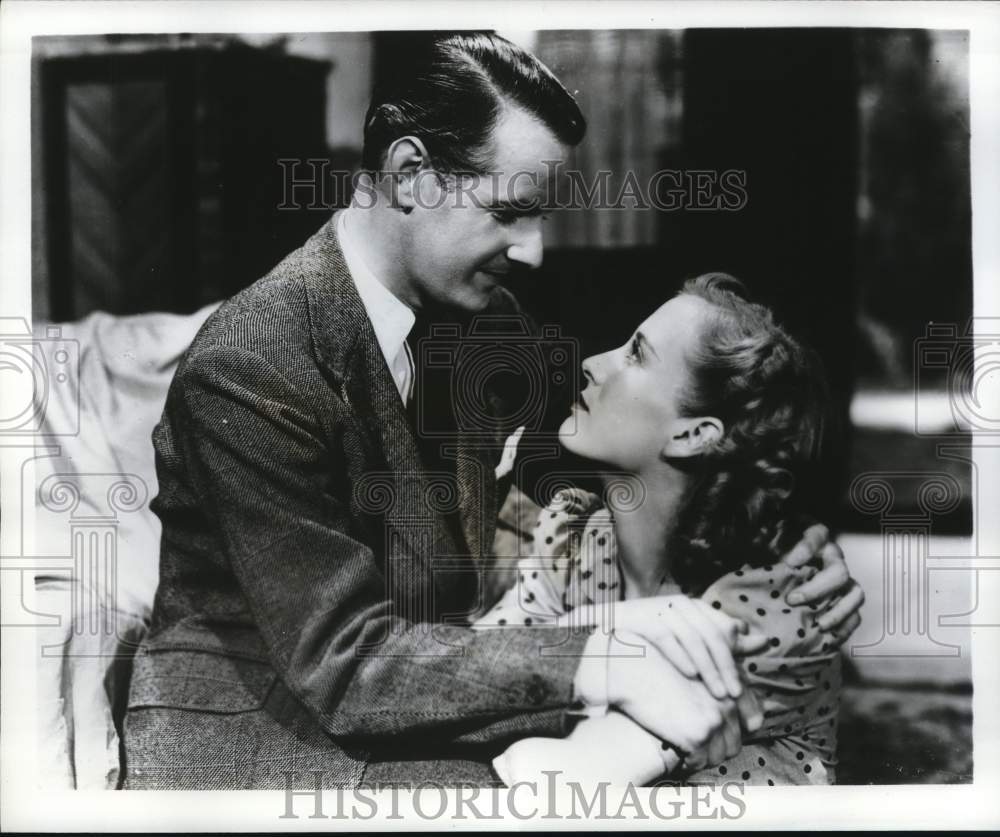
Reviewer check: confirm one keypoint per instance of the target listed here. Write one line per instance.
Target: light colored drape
(627, 83)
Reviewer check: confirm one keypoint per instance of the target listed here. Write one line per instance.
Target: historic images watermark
(313, 184)
(961, 365)
(48, 362)
(965, 363)
(308, 795)
(950, 359)
(69, 592)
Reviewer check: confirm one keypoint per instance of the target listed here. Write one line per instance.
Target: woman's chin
(570, 436)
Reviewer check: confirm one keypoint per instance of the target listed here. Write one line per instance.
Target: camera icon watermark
(964, 366)
(50, 363)
(491, 378)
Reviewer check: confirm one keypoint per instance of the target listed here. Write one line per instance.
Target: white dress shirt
(391, 318)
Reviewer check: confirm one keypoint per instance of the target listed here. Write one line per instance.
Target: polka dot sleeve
(796, 678)
(537, 597)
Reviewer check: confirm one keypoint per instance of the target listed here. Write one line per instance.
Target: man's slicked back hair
(450, 92)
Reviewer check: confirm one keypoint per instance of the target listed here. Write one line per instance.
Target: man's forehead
(525, 152)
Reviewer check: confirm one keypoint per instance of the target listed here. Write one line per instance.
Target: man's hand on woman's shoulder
(833, 582)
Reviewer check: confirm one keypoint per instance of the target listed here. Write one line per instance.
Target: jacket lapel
(474, 471)
(347, 348)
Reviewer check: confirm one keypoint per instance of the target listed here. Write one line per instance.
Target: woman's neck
(644, 532)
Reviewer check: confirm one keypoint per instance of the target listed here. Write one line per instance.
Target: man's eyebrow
(649, 346)
(533, 207)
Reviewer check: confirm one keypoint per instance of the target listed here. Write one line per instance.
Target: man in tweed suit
(313, 581)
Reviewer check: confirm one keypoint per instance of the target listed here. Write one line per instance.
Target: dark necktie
(419, 331)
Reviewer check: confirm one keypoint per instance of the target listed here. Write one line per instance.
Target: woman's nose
(592, 369)
(527, 247)
(596, 368)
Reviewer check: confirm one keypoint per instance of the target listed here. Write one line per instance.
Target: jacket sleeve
(256, 456)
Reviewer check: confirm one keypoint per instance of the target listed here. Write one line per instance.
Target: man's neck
(376, 237)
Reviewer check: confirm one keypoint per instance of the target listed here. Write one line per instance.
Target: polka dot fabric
(796, 677)
(574, 562)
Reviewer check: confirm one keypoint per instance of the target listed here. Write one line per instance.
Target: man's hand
(697, 639)
(841, 618)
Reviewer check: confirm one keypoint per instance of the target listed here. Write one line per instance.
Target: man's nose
(527, 247)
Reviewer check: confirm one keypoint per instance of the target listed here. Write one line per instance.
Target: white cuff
(590, 685)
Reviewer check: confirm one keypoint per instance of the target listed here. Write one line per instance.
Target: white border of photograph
(23, 807)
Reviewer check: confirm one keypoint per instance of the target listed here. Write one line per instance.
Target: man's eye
(635, 350)
(504, 216)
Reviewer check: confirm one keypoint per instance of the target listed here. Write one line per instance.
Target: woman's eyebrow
(646, 344)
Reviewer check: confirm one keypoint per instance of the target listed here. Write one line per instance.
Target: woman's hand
(697, 639)
(842, 617)
(677, 709)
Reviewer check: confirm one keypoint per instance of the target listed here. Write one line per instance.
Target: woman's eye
(634, 350)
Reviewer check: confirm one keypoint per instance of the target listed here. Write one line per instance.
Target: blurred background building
(158, 185)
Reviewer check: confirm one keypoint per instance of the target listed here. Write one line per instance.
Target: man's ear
(692, 437)
(407, 172)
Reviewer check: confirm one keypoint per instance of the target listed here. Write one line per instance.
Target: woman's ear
(407, 174)
(692, 437)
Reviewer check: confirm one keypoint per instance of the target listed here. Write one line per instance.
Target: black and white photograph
(510, 413)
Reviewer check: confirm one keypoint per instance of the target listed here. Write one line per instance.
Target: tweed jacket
(316, 576)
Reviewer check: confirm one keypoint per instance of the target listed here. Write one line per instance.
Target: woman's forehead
(676, 324)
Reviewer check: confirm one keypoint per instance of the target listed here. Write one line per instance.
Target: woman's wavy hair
(770, 393)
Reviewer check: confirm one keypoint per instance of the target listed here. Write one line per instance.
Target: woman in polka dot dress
(708, 416)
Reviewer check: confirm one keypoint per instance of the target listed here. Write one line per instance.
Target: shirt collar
(391, 318)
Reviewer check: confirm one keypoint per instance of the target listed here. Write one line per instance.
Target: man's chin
(481, 293)
(472, 300)
(490, 279)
